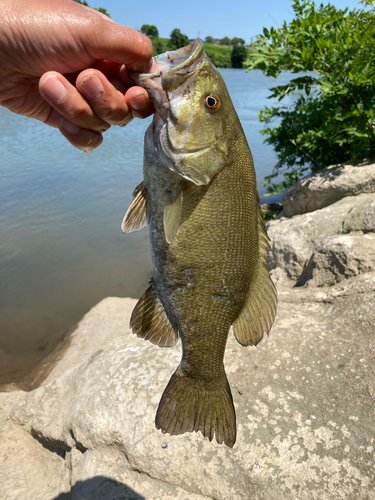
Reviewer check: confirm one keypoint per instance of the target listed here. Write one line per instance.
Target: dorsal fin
(172, 215)
(258, 314)
(136, 216)
(150, 321)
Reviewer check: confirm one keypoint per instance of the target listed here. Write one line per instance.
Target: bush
(150, 30)
(332, 120)
(159, 45)
(219, 55)
(178, 40)
(238, 56)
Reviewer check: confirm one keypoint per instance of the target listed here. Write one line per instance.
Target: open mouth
(174, 68)
(182, 60)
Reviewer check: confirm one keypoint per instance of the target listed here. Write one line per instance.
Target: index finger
(121, 45)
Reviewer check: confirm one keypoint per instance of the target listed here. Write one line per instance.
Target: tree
(225, 41)
(238, 56)
(178, 40)
(157, 46)
(332, 119)
(208, 39)
(100, 9)
(150, 30)
(237, 41)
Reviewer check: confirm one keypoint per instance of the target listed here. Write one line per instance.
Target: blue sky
(218, 18)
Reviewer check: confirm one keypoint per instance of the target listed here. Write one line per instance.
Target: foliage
(238, 56)
(225, 41)
(237, 41)
(100, 9)
(332, 118)
(159, 46)
(219, 55)
(209, 39)
(150, 30)
(178, 40)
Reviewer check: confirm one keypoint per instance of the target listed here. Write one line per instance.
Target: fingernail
(69, 126)
(92, 87)
(138, 102)
(54, 89)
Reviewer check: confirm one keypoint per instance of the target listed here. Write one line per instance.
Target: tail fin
(195, 405)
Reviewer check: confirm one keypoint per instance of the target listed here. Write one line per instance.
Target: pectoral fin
(258, 313)
(150, 321)
(172, 215)
(136, 216)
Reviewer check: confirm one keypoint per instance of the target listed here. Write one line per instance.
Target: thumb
(119, 44)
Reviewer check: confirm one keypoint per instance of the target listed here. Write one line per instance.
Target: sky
(217, 18)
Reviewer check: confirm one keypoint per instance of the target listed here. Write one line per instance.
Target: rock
(270, 210)
(361, 217)
(327, 187)
(303, 398)
(85, 340)
(293, 239)
(339, 257)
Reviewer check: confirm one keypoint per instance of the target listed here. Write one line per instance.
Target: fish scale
(208, 241)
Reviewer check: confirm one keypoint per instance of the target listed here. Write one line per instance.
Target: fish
(208, 240)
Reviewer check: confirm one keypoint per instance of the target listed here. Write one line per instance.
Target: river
(61, 246)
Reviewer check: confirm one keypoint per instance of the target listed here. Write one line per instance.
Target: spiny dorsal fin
(136, 217)
(172, 215)
(258, 313)
(149, 320)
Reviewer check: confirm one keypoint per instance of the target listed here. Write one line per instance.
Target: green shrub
(333, 119)
(219, 55)
(238, 56)
(159, 45)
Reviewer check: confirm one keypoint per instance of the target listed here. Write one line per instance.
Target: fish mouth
(175, 67)
(181, 61)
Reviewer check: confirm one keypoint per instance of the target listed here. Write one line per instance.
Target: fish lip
(196, 50)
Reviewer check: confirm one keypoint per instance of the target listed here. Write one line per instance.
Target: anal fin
(136, 216)
(258, 314)
(150, 321)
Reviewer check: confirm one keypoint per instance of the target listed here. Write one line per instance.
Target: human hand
(46, 47)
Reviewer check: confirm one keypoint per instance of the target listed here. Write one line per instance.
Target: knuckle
(76, 113)
(114, 113)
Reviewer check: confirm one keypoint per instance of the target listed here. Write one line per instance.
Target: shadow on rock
(100, 488)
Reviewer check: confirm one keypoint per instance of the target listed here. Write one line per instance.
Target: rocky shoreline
(304, 397)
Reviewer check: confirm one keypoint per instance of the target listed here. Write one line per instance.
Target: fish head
(193, 113)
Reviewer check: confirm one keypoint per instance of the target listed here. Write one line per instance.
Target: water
(61, 247)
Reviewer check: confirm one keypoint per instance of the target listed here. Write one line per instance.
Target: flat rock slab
(328, 186)
(304, 398)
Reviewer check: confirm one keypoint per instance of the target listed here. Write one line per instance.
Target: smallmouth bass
(208, 240)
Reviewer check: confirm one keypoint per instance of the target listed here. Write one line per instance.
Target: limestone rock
(361, 217)
(293, 239)
(303, 398)
(328, 186)
(86, 339)
(339, 257)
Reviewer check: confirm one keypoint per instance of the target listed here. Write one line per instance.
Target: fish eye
(212, 102)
